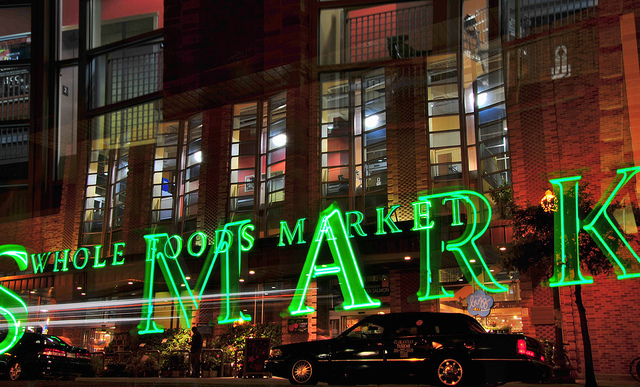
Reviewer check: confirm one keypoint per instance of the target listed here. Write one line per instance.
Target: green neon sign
(598, 224)
(165, 250)
(13, 309)
(79, 259)
(337, 230)
(428, 222)
(331, 228)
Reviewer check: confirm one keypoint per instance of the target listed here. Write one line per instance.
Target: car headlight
(275, 352)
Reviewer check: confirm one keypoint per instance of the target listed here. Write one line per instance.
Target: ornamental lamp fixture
(549, 202)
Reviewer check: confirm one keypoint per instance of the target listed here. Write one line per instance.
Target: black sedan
(37, 355)
(447, 349)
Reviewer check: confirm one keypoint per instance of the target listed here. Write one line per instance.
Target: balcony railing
(14, 144)
(126, 73)
(394, 34)
(134, 76)
(15, 85)
(536, 16)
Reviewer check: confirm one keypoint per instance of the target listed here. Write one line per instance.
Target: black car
(37, 355)
(447, 349)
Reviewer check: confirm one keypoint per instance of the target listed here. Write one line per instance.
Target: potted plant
(178, 364)
(210, 364)
(149, 367)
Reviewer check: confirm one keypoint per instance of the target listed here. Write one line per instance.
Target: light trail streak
(127, 311)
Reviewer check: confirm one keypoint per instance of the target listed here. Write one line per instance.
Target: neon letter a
(331, 227)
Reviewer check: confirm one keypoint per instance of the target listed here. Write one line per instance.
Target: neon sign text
(337, 230)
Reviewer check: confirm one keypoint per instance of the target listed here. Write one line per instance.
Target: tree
(533, 231)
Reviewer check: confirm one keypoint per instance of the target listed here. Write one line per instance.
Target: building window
(165, 173)
(126, 73)
(273, 159)
(445, 137)
(191, 159)
(258, 162)
(493, 141)
(354, 141)
(112, 21)
(112, 135)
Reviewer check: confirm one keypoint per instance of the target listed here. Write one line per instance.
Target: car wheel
(303, 371)
(450, 372)
(15, 371)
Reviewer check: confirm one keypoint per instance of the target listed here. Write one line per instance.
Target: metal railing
(134, 76)
(476, 34)
(126, 73)
(15, 86)
(14, 144)
(528, 17)
(394, 34)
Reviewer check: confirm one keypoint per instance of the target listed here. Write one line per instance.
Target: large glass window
(165, 172)
(68, 29)
(445, 135)
(258, 162)
(126, 73)
(354, 140)
(112, 135)
(191, 159)
(115, 20)
(15, 35)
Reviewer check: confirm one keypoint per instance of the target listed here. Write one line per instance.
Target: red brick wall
(578, 125)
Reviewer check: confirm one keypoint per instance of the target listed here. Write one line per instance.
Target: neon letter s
(12, 307)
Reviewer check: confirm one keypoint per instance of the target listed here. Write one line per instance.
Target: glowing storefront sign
(337, 229)
(331, 228)
(13, 309)
(230, 242)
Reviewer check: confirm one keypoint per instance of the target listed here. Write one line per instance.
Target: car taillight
(52, 352)
(522, 348)
(83, 355)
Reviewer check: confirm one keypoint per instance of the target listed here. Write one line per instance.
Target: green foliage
(210, 361)
(532, 251)
(177, 361)
(232, 341)
(503, 199)
(142, 366)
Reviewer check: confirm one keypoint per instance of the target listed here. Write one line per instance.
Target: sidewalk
(603, 381)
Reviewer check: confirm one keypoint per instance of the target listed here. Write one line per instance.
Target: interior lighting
(252, 272)
(130, 283)
(198, 156)
(371, 121)
(83, 294)
(241, 279)
(502, 248)
(472, 261)
(407, 258)
(279, 140)
(482, 99)
(79, 288)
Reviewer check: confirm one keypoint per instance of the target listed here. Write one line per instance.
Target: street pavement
(608, 381)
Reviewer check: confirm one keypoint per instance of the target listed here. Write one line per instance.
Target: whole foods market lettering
(337, 230)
